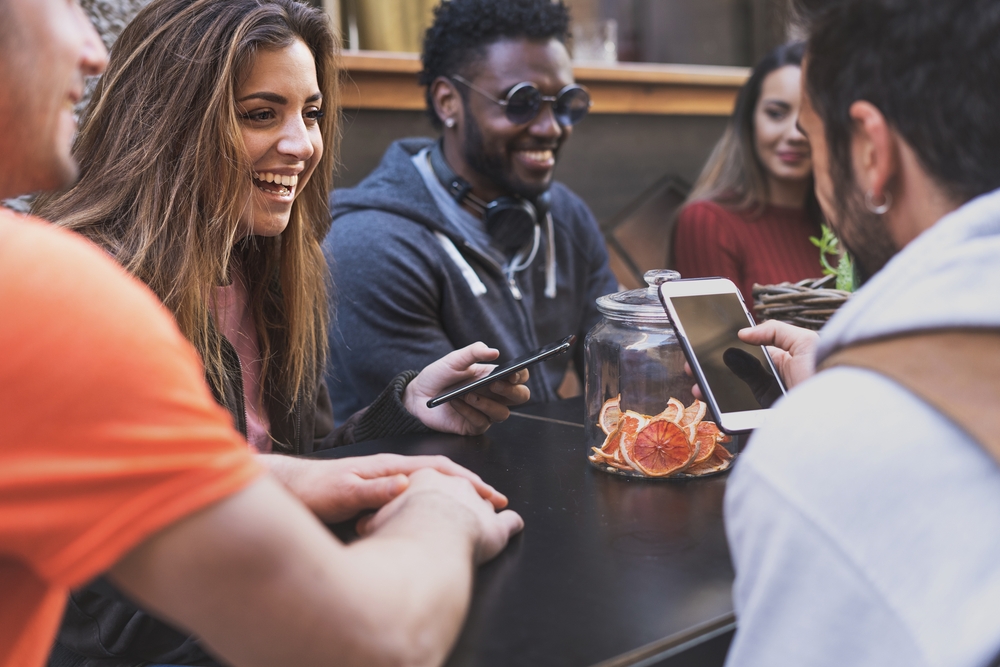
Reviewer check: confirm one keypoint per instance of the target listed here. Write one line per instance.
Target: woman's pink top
(233, 318)
(773, 247)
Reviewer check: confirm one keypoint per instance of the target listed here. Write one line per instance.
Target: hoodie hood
(397, 187)
(394, 187)
(948, 277)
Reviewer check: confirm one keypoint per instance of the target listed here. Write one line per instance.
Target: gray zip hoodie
(412, 286)
(864, 524)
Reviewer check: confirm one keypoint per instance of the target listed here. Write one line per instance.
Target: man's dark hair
(932, 67)
(805, 12)
(463, 29)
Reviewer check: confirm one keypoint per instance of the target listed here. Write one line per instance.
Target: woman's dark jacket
(103, 628)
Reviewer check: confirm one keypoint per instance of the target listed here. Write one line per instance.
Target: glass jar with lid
(636, 383)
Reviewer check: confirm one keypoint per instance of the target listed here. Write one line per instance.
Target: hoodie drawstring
(550, 258)
(475, 284)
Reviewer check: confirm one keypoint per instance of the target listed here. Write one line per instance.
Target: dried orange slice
(610, 414)
(619, 465)
(673, 411)
(610, 446)
(693, 414)
(629, 426)
(715, 463)
(706, 436)
(660, 449)
(597, 456)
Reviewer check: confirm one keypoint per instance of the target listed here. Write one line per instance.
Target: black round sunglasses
(524, 101)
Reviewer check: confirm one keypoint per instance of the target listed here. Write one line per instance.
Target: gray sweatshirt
(864, 525)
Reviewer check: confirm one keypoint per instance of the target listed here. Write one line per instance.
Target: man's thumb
(373, 493)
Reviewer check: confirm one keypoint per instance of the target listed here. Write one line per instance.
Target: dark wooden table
(608, 571)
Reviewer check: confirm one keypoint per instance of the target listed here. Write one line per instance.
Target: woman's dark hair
(930, 66)
(463, 29)
(734, 175)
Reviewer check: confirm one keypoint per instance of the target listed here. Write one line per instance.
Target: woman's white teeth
(279, 179)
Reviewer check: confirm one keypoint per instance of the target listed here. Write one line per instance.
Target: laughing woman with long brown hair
(206, 157)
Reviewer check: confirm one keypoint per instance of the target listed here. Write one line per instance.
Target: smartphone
(739, 380)
(540, 354)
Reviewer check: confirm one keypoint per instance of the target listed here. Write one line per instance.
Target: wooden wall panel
(375, 80)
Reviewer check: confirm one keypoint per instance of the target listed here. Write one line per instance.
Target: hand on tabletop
(455, 502)
(339, 489)
(792, 348)
(473, 413)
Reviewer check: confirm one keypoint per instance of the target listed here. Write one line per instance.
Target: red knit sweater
(711, 240)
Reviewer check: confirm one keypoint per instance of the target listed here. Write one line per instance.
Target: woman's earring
(882, 208)
(449, 122)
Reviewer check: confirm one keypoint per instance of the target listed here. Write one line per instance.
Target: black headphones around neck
(510, 221)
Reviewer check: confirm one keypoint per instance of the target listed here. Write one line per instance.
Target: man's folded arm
(262, 582)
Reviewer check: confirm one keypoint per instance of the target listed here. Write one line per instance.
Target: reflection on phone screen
(738, 374)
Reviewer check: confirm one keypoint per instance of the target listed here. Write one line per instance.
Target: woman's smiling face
(781, 147)
(279, 106)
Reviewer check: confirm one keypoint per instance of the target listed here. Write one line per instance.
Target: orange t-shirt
(108, 432)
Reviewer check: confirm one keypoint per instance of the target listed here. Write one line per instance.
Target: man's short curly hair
(463, 29)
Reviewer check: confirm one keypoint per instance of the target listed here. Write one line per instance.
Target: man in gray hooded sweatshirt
(468, 238)
(864, 517)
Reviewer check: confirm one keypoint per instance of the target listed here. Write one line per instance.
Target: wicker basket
(807, 303)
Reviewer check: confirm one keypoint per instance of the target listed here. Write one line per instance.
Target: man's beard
(864, 237)
(494, 167)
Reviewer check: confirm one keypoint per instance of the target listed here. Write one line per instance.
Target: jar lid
(644, 303)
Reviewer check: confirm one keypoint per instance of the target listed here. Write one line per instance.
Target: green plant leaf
(845, 274)
(829, 246)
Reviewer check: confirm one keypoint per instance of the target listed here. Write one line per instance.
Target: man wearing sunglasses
(467, 237)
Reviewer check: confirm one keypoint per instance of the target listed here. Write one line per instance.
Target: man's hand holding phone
(738, 380)
(792, 348)
(472, 413)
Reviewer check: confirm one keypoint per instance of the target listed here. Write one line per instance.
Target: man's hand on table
(473, 413)
(339, 489)
(454, 500)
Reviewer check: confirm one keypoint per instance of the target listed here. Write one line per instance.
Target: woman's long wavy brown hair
(734, 176)
(165, 177)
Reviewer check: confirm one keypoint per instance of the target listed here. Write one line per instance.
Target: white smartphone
(739, 380)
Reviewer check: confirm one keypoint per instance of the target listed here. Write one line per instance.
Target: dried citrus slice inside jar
(706, 436)
(694, 413)
(715, 463)
(660, 449)
(629, 425)
(673, 411)
(610, 414)
(610, 446)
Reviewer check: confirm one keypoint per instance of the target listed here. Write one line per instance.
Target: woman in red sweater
(752, 211)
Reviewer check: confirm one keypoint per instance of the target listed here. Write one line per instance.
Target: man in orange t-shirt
(115, 458)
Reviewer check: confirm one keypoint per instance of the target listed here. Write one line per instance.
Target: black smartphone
(540, 354)
(738, 380)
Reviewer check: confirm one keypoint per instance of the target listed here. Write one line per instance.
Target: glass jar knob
(657, 277)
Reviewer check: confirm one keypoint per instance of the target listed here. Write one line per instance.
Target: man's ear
(447, 101)
(874, 150)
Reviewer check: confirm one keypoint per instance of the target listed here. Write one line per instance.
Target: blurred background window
(701, 32)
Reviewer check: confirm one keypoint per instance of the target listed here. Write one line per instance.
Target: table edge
(653, 653)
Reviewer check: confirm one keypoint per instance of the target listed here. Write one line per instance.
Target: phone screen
(739, 374)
